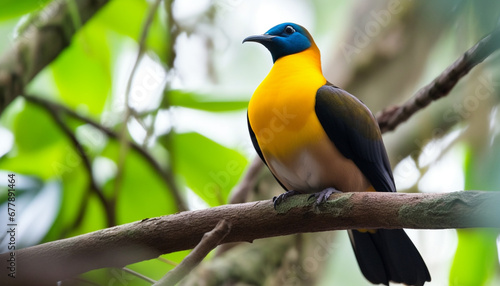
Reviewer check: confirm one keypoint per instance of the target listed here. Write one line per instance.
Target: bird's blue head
(284, 39)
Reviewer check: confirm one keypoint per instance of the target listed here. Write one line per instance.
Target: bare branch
(209, 241)
(46, 37)
(391, 117)
(130, 243)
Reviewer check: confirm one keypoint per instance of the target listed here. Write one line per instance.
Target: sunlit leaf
(34, 129)
(127, 18)
(153, 268)
(94, 218)
(74, 186)
(14, 8)
(113, 276)
(476, 255)
(37, 142)
(82, 71)
(202, 102)
(209, 169)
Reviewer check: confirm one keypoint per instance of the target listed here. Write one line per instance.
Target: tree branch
(93, 186)
(391, 117)
(125, 244)
(46, 37)
(164, 174)
(124, 143)
(209, 241)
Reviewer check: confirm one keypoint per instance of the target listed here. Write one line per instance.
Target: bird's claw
(323, 196)
(283, 197)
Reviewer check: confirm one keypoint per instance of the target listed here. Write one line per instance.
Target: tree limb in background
(40, 44)
(93, 186)
(166, 178)
(130, 243)
(270, 257)
(391, 117)
(209, 241)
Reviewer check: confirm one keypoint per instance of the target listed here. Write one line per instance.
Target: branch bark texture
(125, 244)
(46, 37)
(209, 241)
(391, 117)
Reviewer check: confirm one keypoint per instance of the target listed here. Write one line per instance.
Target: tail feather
(389, 255)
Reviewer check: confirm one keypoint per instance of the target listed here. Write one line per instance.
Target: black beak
(259, 38)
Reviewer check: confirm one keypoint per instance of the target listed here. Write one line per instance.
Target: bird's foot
(282, 197)
(323, 196)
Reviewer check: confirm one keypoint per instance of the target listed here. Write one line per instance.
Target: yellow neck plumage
(283, 104)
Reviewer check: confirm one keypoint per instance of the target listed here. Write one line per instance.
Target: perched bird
(317, 138)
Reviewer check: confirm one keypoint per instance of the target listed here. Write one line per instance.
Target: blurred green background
(189, 95)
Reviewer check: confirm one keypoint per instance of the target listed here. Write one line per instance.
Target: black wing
(352, 128)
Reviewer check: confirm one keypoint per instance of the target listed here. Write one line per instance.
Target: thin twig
(48, 34)
(124, 146)
(391, 117)
(49, 105)
(174, 33)
(139, 275)
(54, 113)
(167, 261)
(147, 239)
(209, 241)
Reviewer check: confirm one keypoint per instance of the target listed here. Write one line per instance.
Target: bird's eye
(289, 30)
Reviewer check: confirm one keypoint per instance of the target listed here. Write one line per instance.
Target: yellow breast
(292, 140)
(281, 111)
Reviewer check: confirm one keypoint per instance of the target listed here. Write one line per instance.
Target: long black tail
(389, 255)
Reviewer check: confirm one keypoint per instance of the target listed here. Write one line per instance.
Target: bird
(318, 139)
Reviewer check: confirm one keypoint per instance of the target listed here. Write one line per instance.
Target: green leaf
(94, 218)
(127, 17)
(34, 129)
(82, 72)
(143, 194)
(37, 142)
(201, 102)
(75, 185)
(476, 257)
(14, 8)
(209, 169)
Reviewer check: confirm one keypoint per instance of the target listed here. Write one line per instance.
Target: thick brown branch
(209, 241)
(391, 117)
(40, 44)
(125, 244)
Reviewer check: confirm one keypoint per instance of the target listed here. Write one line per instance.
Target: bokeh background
(188, 98)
